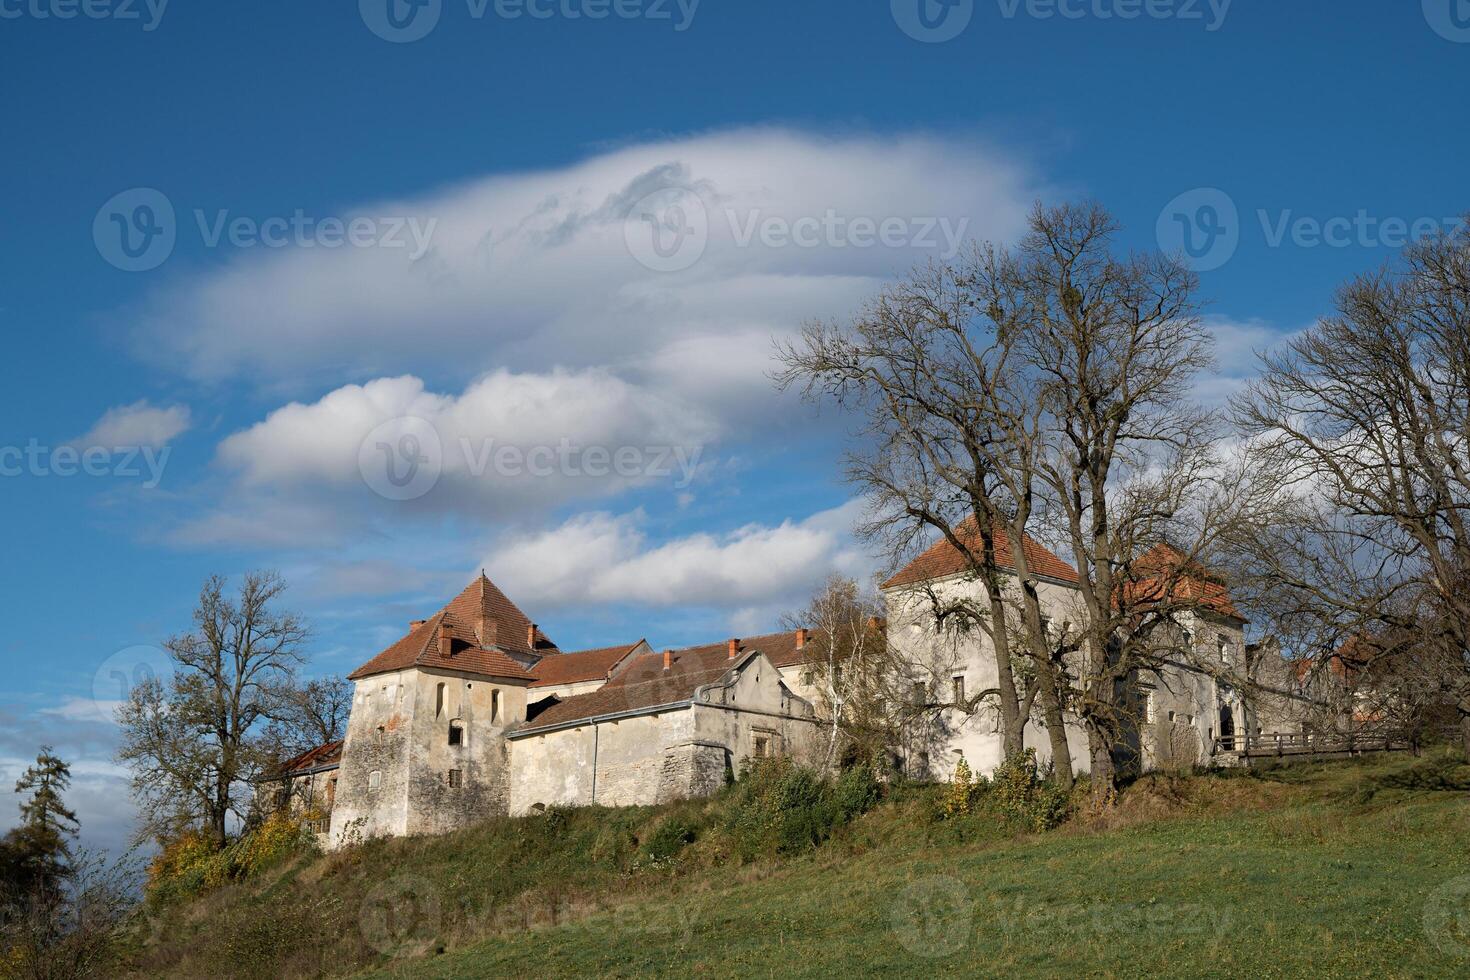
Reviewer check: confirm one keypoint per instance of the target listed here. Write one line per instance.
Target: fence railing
(1300, 743)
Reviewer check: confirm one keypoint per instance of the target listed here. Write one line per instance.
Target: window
(439, 702)
(959, 691)
(375, 779)
(1225, 652)
(494, 706)
(456, 778)
(456, 733)
(920, 695)
(1171, 716)
(762, 747)
(1149, 710)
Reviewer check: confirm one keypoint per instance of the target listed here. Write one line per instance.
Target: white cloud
(508, 442)
(601, 558)
(1237, 346)
(137, 425)
(535, 268)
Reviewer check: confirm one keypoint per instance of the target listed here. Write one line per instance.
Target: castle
(475, 712)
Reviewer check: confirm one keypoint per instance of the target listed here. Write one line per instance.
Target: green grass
(1326, 869)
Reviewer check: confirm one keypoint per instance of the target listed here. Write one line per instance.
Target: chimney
(416, 624)
(531, 637)
(801, 638)
(734, 648)
(485, 630)
(668, 660)
(446, 641)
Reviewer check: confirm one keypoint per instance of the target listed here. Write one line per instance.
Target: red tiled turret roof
(943, 559)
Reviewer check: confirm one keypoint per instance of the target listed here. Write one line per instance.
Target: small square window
(456, 733)
(456, 778)
(1171, 716)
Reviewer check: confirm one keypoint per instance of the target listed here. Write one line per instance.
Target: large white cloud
(533, 269)
(507, 442)
(602, 558)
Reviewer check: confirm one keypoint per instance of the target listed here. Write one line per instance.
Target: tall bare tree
(1365, 420)
(194, 742)
(1045, 390)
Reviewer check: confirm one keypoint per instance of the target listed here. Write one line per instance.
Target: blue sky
(499, 168)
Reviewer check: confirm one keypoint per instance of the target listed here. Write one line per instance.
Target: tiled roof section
(322, 755)
(943, 558)
(779, 648)
(644, 684)
(1193, 583)
(581, 665)
(512, 627)
(421, 648)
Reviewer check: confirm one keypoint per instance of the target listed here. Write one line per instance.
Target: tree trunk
(1056, 729)
(1012, 725)
(1104, 773)
(1465, 735)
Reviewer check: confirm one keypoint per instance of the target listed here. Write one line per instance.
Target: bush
(191, 865)
(781, 808)
(959, 801)
(669, 838)
(1024, 797)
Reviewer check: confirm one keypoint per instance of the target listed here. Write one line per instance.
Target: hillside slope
(1349, 869)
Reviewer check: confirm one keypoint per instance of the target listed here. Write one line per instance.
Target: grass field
(1332, 870)
(1342, 869)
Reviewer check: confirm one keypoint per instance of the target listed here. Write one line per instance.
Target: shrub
(959, 800)
(190, 865)
(781, 808)
(1024, 797)
(668, 839)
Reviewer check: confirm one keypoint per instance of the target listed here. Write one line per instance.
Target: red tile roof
(943, 559)
(460, 620)
(1193, 583)
(644, 683)
(578, 666)
(322, 755)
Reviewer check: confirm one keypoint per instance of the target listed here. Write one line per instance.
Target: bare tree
(1045, 389)
(311, 715)
(196, 742)
(1365, 419)
(845, 658)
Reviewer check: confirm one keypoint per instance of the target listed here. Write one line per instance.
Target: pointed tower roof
(477, 633)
